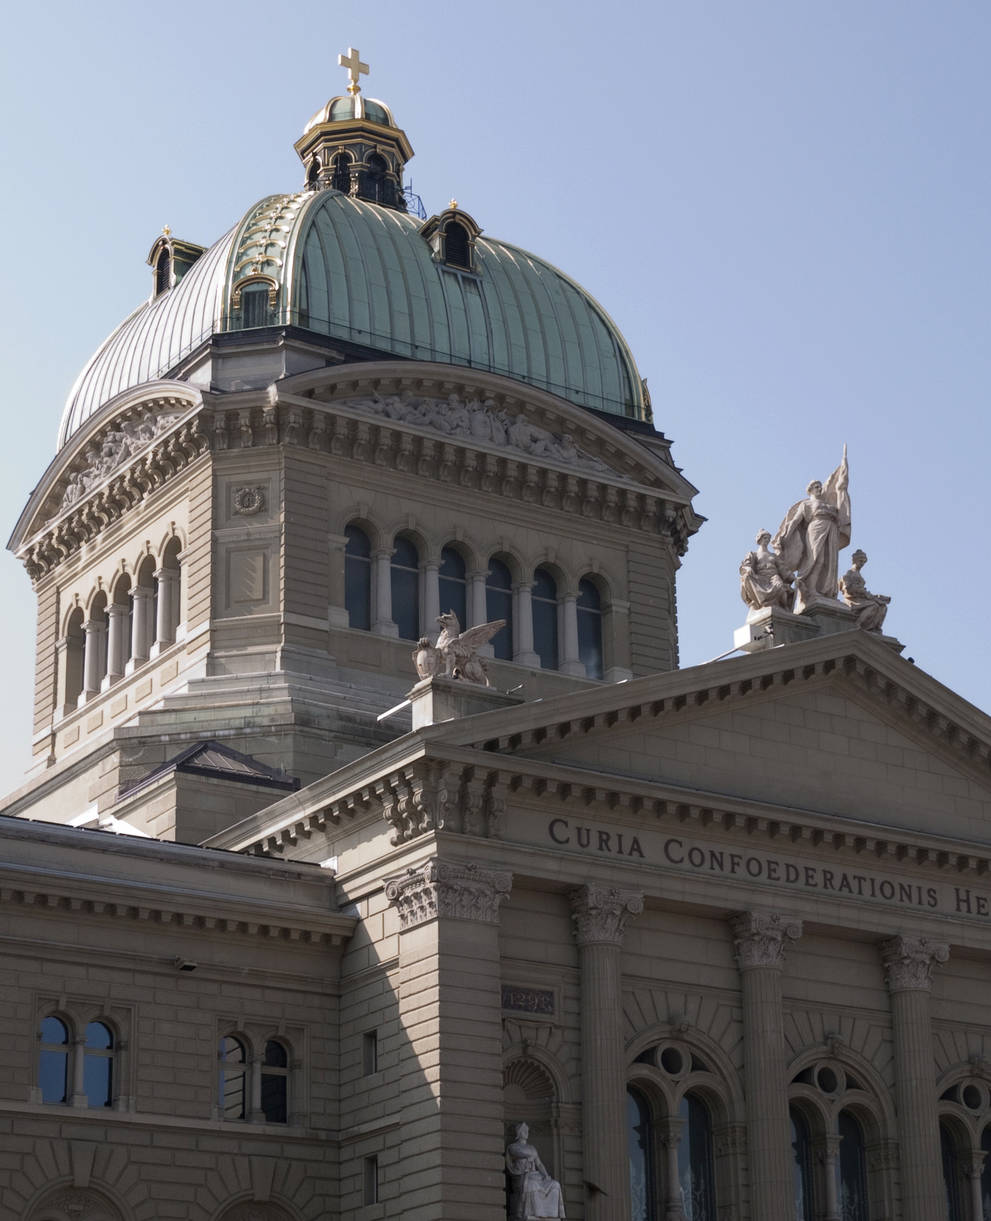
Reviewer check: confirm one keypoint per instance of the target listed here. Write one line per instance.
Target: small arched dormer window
(163, 271)
(457, 246)
(374, 182)
(254, 305)
(313, 173)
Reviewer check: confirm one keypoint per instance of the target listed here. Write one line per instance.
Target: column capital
(908, 962)
(759, 938)
(142, 591)
(973, 1163)
(600, 913)
(669, 1132)
(448, 889)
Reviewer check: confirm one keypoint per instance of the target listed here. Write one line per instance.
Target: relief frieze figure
(112, 449)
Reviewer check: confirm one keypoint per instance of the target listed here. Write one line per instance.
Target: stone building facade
(282, 944)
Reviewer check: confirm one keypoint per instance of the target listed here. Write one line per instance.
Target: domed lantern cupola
(353, 145)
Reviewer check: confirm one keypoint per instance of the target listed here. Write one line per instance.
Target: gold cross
(352, 61)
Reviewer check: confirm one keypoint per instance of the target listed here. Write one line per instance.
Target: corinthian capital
(759, 938)
(600, 913)
(448, 889)
(908, 962)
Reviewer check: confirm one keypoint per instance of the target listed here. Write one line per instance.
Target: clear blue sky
(783, 204)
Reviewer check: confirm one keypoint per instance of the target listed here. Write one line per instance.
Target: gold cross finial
(166, 230)
(453, 203)
(352, 61)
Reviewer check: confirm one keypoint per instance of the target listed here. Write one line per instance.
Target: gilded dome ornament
(352, 61)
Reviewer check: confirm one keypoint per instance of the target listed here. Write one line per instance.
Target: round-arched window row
(965, 1144)
(71, 1067)
(397, 593)
(137, 620)
(253, 1087)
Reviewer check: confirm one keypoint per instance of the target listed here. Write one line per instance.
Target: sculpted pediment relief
(121, 440)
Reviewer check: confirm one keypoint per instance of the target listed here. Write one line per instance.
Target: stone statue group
(801, 563)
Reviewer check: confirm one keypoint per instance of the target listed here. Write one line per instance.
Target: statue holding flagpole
(812, 535)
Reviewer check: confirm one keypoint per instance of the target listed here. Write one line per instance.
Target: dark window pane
(98, 1080)
(986, 1170)
(544, 602)
(405, 573)
(99, 1037)
(951, 1175)
(640, 1142)
(275, 1055)
(342, 173)
(695, 1177)
(274, 1094)
(358, 578)
(254, 305)
(499, 605)
(53, 1030)
(163, 272)
(453, 590)
(456, 245)
(801, 1144)
(852, 1170)
(590, 628)
(232, 1078)
(53, 1076)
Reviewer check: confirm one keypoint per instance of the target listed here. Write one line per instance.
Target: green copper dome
(366, 275)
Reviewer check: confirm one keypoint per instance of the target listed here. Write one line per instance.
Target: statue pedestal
(767, 628)
(447, 699)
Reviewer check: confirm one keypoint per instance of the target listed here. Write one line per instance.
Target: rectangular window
(371, 1180)
(370, 1052)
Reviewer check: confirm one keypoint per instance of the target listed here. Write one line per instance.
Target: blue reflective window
(358, 578)
(544, 602)
(405, 573)
(453, 587)
(275, 1083)
(640, 1144)
(590, 627)
(499, 605)
(98, 1065)
(851, 1169)
(53, 1066)
(695, 1176)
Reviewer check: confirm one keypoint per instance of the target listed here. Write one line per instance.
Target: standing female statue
(533, 1194)
(812, 534)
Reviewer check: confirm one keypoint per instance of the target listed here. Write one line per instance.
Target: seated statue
(764, 580)
(870, 608)
(533, 1194)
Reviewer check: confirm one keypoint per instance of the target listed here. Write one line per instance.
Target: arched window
(232, 1096)
(695, 1177)
(275, 1083)
(163, 271)
(590, 627)
(341, 176)
(453, 588)
(457, 249)
(358, 578)
(98, 1065)
(801, 1146)
(168, 598)
(405, 573)
(640, 1140)
(95, 648)
(373, 180)
(951, 1175)
(53, 1063)
(73, 662)
(544, 601)
(254, 305)
(852, 1169)
(499, 605)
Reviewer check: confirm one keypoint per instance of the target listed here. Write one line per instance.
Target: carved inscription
(528, 1000)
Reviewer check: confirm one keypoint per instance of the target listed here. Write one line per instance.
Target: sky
(783, 205)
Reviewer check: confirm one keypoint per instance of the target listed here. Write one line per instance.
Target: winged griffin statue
(454, 655)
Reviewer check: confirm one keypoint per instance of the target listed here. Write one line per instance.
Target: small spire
(166, 230)
(453, 204)
(352, 61)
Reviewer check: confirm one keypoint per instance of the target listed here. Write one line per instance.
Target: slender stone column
(828, 1155)
(383, 623)
(168, 581)
(477, 613)
(670, 1137)
(523, 625)
(431, 599)
(94, 657)
(760, 939)
(78, 1097)
(973, 1165)
(908, 963)
(337, 608)
(571, 662)
(116, 644)
(450, 1144)
(600, 914)
(142, 627)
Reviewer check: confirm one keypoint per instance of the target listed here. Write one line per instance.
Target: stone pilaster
(523, 625)
(451, 1156)
(382, 588)
(600, 914)
(759, 939)
(571, 662)
(142, 625)
(908, 964)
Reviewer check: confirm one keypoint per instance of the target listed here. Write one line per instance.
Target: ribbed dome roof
(357, 272)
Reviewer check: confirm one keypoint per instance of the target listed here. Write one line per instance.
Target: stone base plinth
(767, 628)
(447, 699)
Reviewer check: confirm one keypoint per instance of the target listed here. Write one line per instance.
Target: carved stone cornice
(111, 477)
(908, 962)
(601, 913)
(759, 938)
(448, 890)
